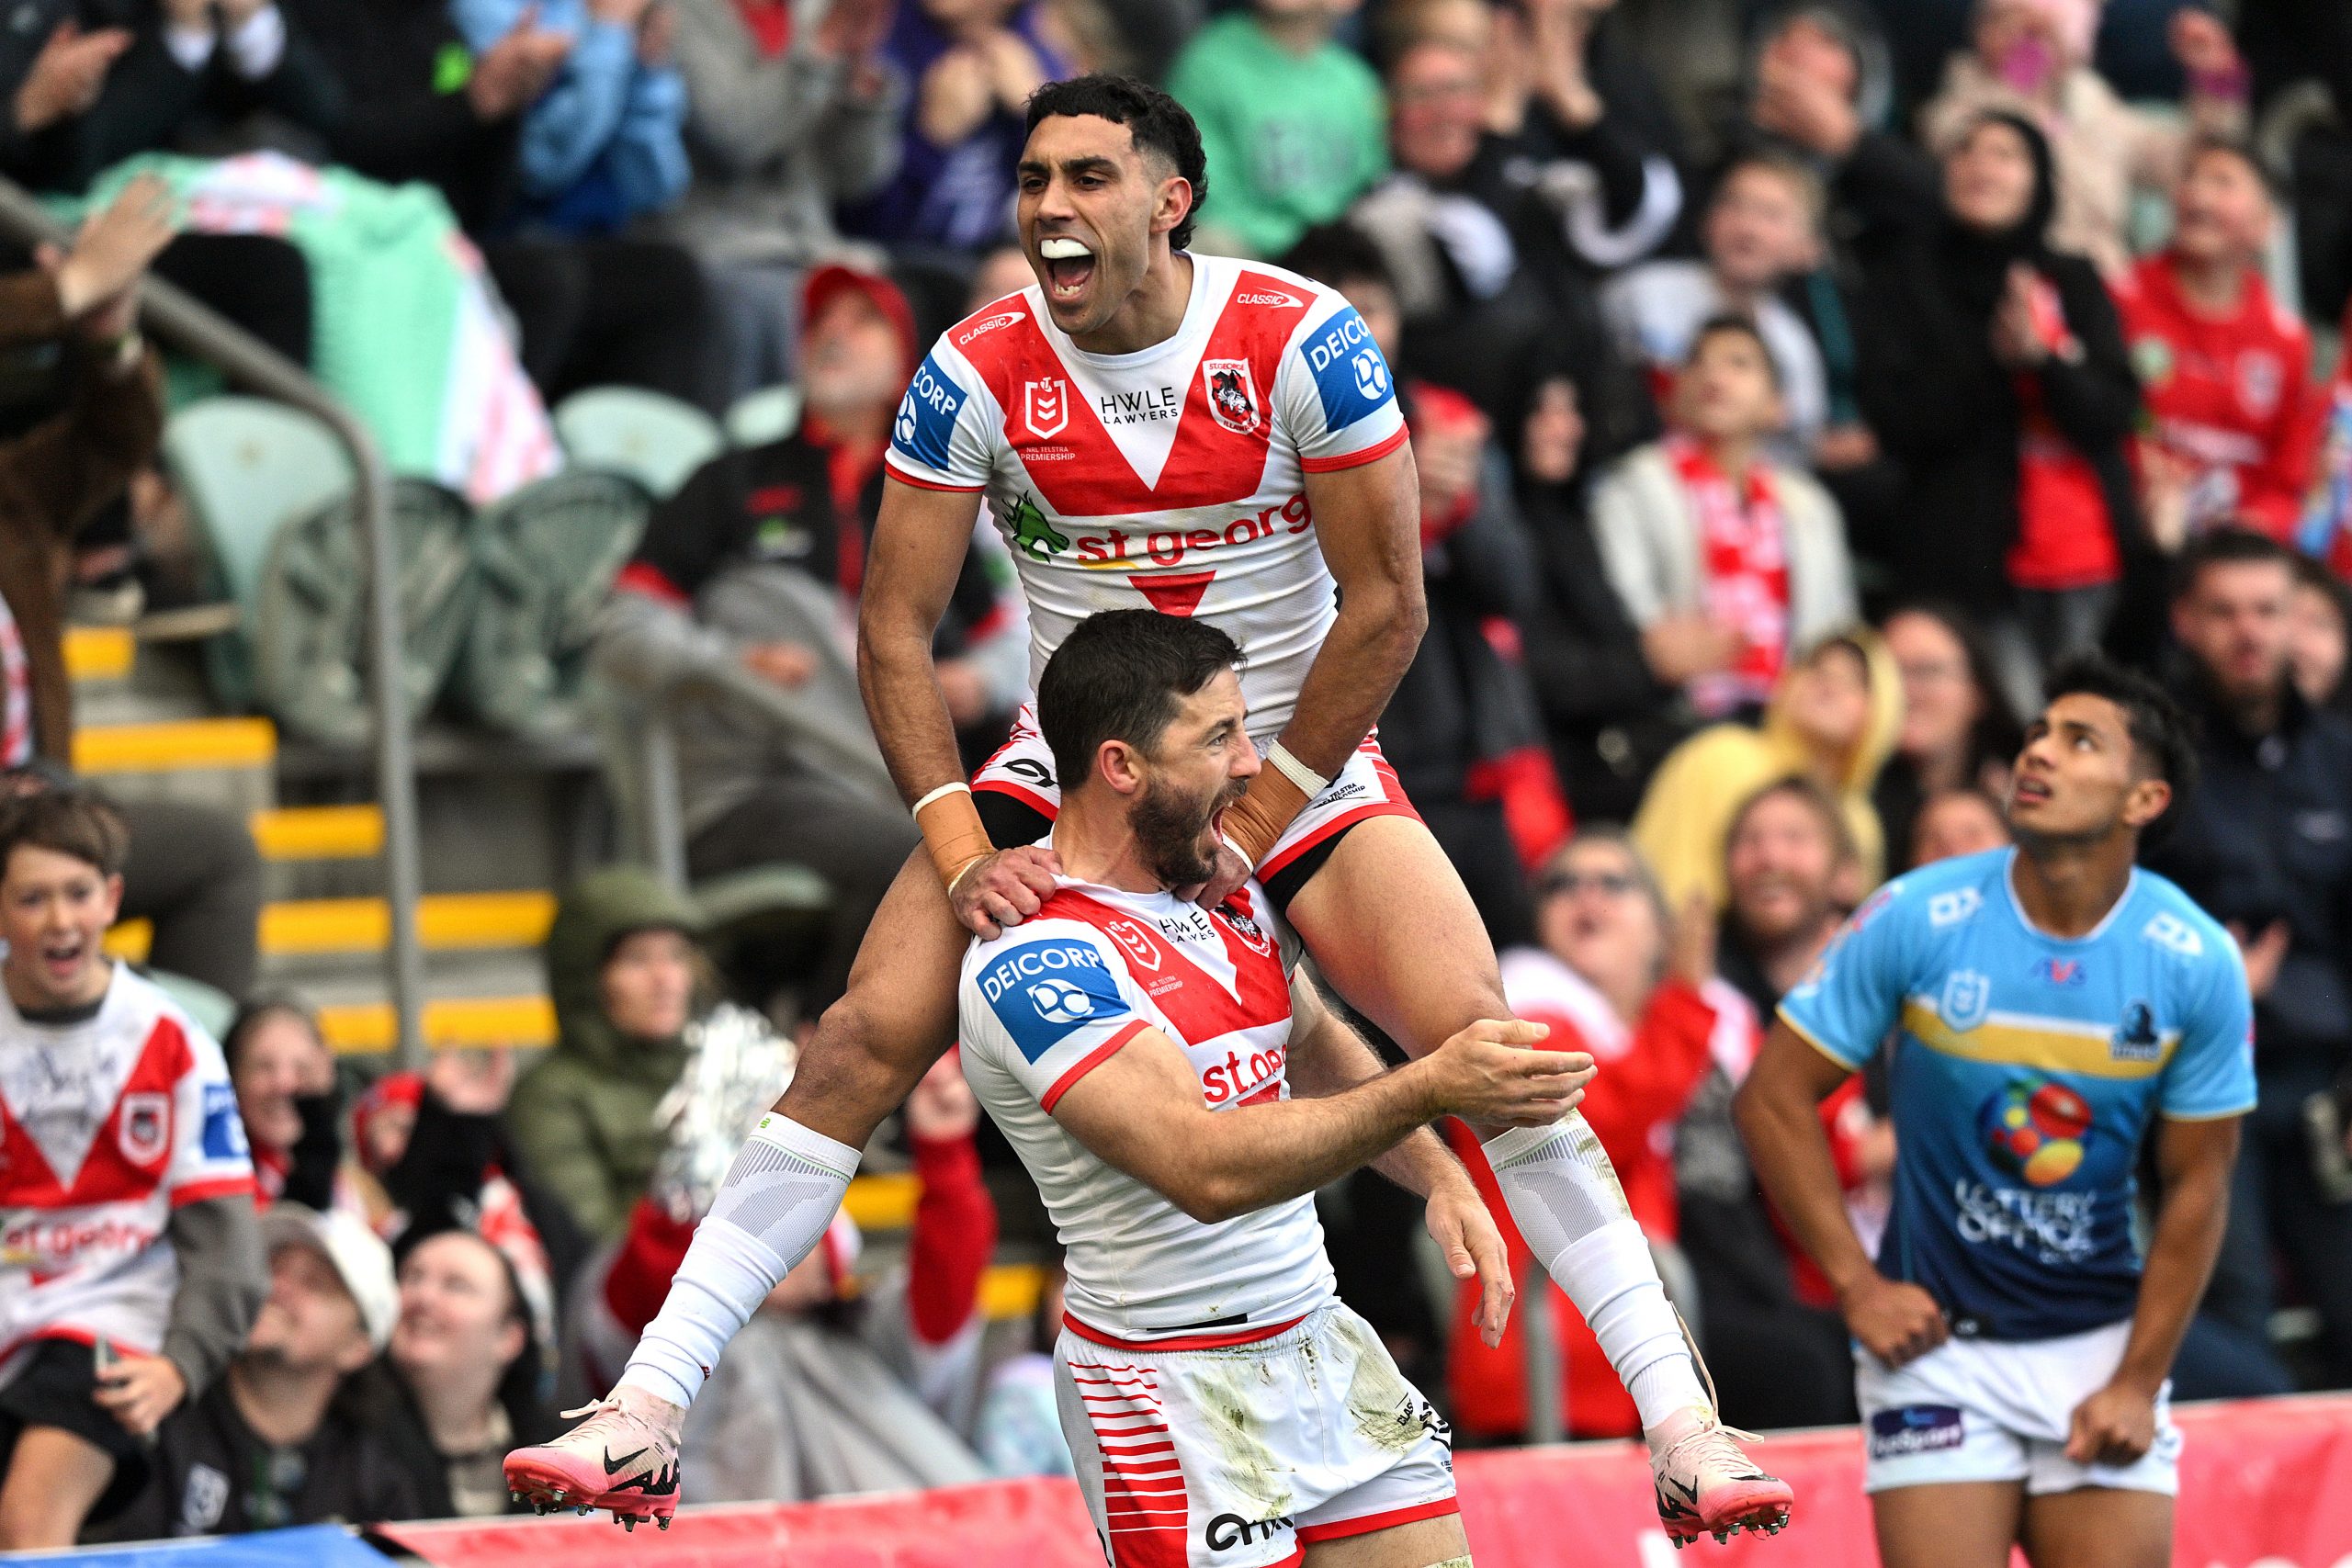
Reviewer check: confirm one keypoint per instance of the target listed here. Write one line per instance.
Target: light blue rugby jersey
(2026, 1068)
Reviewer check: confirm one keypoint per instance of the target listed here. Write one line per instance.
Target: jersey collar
(2017, 907)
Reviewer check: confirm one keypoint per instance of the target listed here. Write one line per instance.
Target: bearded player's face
(1202, 764)
(1089, 208)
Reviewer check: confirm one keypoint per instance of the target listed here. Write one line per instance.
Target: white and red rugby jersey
(1052, 998)
(1173, 478)
(106, 1127)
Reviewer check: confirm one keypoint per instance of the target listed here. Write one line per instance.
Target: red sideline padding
(2266, 1484)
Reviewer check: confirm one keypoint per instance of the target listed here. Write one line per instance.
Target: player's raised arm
(920, 538)
(1139, 1109)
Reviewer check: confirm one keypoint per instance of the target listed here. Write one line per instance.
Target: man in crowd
(303, 1429)
(2267, 847)
(129, 1266)
(1779, 1360)
(2225, 367)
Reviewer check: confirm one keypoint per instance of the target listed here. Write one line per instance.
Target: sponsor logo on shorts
(1229, 1531)
(1915, 1429)
(1042, 990)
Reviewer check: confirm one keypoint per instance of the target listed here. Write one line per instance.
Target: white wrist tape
(778, 1198)
(942, 793)
(1309, 781)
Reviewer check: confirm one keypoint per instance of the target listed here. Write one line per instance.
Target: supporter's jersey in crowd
(2027, 1069)
(1050, 1000)
(1173, 478)
(2230, 395)
(107, 1125)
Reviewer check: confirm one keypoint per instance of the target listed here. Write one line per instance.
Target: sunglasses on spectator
(1615, 883)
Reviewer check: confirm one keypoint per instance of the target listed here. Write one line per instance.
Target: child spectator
(1762, 228)
(1291, 121)
(284, 1076)
(132, 1267)
(2225, 369)
(1723, 558)
(1616, 977)
(2032, 59)
(304, 1429)
(1833, 721)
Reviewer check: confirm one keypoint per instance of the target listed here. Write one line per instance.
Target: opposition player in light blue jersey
(2048, 1005)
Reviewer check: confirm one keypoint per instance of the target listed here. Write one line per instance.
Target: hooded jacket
(1702, 783)
(582, 1116)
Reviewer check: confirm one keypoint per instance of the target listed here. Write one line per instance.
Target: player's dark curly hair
(1119, 676)
(2163, 741)
(1160, 127)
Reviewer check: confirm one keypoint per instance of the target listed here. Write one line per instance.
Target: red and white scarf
(1743, 545)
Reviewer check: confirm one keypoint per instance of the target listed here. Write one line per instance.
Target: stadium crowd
(1789, 392)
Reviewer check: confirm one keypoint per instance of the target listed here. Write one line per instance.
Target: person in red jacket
(1616, 977)
(2224, 366)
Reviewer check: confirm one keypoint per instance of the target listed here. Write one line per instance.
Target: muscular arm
(1141, 1111)
(2193, 1160)
(1368, 520)
(1327, 1057)
(918, 548)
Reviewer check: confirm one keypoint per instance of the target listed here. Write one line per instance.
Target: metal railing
(174, 317)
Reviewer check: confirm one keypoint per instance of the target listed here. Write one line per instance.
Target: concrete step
(94, 654)
(175, 746)
(451, 1023)
(319, 832)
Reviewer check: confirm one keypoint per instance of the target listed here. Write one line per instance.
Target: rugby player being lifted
(1204, 437)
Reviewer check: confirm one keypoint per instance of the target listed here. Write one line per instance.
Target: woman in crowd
(1956, 822)
(467, 1351)
(1994, 369)
(1616, 977)
(1959, 731)
(622, 969)
(1833, 719)
(284, 1077)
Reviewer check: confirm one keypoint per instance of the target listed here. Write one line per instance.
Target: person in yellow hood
(1833, 717)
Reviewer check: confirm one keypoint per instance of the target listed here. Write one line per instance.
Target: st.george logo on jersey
(1042, 990)
(1233, 396)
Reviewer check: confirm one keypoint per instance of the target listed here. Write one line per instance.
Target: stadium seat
(655, 440)
(767, 415)
(307, 633)
(546, 556)
(246, 468)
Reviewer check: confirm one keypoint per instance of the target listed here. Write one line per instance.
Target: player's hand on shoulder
(1491, 1072)
(2116, 1426)
(1896, 1321)
(1003, 889)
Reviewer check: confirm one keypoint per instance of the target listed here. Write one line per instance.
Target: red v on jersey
(1217, 456)
(1178, 593)
(127, 1155)
(1199, 1004)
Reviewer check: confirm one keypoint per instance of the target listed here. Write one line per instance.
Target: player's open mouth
(2031, 792)
(1069, 266)
(64, 958)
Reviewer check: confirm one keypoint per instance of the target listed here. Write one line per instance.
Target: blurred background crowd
(1791, 385)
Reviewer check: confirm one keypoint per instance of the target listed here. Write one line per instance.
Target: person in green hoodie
(623, 971)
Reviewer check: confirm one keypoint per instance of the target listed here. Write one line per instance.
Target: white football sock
(1562, 1195)
(779, 1195)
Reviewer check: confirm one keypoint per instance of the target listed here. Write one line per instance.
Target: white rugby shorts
(1022, 768)
(1988, 1410)
(1241, 1456)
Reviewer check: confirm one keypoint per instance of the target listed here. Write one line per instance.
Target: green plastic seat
(544, 557)
(309, 636)
(760, 418)
(655, 440)
(247, 468)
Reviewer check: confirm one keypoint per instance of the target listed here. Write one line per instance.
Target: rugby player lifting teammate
(1215, 439)
(2049, 1005)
